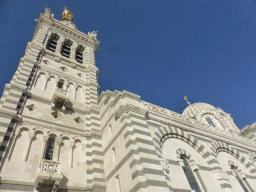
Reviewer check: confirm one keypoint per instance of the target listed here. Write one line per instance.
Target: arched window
(79, 54)
(52, 42)
(60, 84)
(190, 176)
(66, 48)
(49, 149)
(210, 121)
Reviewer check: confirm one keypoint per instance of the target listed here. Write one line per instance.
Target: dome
(194, 109)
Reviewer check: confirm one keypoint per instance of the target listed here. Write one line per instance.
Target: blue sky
(160, 50)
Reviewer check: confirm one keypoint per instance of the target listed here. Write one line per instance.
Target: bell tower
(50, 126)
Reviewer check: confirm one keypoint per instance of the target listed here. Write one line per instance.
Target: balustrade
(50, 166)
(61, 91)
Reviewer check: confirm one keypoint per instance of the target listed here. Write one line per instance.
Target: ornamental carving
(50, 166)
(93, 34)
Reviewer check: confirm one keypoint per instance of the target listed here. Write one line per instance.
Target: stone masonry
(58, 134)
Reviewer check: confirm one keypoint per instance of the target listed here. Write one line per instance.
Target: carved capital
(83, 147)
(71, 144)
(242, 175)
(181, 162)
(45, 138)
(58, 141)
(75, 45)
(194, 167)
(61, 39)
(31, 135)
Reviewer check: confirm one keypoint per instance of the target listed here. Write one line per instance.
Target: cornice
(49, 125)
(168, 117)
(76, 33)
(64, 75)
(85, 110)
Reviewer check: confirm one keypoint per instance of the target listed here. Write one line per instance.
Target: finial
(185, 98)
(67, 15)
(47, 10)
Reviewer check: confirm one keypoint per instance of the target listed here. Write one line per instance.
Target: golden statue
(67, 15)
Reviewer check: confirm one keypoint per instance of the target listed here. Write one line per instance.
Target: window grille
(66, 48)
(190, 176)
(49, 149)
(52, 42)
(79, 54)
(210, 121)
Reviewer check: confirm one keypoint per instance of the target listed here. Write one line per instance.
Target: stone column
(56, 150)
(65, 84)
(248, 185)
(51, 84)
(71, 145)
(79, 94)
(27, 147)
(45, 139)
(195, 168)
(85, 55)
(41, 81)
(71, 91)
(73, 50)
(14, 141)
(59, 44)
(46, 79)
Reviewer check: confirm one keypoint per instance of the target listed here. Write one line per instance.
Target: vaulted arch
(219, 146)
(166, 132)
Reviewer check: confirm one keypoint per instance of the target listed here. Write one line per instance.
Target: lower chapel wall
(209, 160)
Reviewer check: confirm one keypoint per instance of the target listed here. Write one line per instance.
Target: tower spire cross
(185, 98)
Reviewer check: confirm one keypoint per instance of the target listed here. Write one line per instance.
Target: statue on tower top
(67, 15)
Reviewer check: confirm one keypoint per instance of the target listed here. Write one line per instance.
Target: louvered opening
(56, 114)
(78, 120)
(52, 42)
(66, 48)
(79, 54)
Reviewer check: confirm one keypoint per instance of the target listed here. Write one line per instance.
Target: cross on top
(185, 98)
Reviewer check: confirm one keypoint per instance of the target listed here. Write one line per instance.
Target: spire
(185, 98)
(67, 15)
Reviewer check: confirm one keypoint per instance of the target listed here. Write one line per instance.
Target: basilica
(58, 134)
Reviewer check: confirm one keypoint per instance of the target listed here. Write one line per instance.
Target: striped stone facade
(57, 134)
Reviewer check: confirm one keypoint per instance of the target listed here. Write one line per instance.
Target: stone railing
(167, 112)
(50, 166)
(60, 91)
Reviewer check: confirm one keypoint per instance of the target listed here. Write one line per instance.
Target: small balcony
(60, 91)
(49, 174)
(50, 166)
